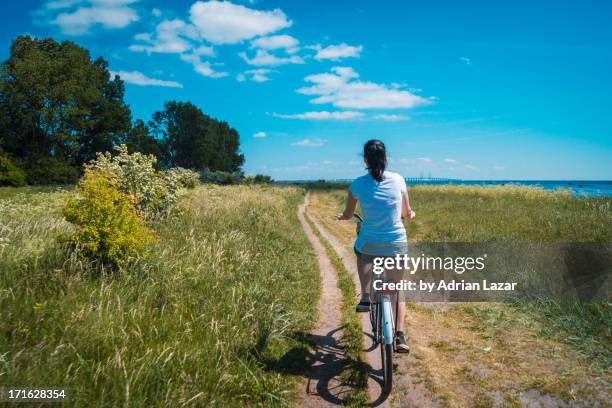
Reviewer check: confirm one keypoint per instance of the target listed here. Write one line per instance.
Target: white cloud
(205, 69)
(112, 3)
(340, 115)
(321, 115)
(260, 134)
(276, 42)
(499, 168)
(177, 37)
(425, 160)
(340, 89)
(310, 142)
(108, 14)
(156, 12)
(204, 50)
(336, 52)
(228, 23)
(257, 75)
(450, 161)
(60, 4)
(200, 66)
(470, 167)
(171, 36)
(264, 58)
(390, 117)
(466, 60)
(138, 78)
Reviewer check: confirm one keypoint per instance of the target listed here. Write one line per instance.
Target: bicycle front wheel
(386, 356)
(386, 345)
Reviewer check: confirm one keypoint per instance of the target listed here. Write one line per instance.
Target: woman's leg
(400, 339)
(364, 270)
(401, 314)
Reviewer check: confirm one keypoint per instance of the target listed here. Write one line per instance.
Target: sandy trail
(324, 387)
(407, 391)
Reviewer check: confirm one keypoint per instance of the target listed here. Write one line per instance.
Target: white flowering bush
(154, 191)
(183, 177)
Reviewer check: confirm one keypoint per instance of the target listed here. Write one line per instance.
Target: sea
(581, 188)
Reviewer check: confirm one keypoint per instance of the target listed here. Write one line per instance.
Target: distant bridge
(431, 180)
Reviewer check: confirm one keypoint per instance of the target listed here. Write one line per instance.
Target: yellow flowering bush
(108, 226)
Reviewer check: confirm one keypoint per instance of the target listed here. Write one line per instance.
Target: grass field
(211, 317)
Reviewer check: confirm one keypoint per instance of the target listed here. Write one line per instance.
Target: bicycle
(383, 328)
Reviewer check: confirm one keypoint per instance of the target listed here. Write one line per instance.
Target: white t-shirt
(381, 204)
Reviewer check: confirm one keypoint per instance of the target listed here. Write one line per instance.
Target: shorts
(367, 258)
(389, 275)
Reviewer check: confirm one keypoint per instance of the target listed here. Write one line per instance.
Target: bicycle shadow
(322, 365)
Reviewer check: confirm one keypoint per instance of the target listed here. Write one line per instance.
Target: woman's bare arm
(351, 204)
(406, 210)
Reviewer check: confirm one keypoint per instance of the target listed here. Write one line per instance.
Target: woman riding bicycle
(384, 202)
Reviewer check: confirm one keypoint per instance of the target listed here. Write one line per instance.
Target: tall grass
(524, 214)
(508, 213)
(211, 317)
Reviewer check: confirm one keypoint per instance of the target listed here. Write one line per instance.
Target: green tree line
(58, 108)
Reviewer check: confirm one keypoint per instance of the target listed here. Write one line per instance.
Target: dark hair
(375, 154)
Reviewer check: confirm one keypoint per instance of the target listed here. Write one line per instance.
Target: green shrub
(262, 179)
(155, 192)
(51, 170)
(10, 174)
(257, 179)
(220, 177)
(109, 229)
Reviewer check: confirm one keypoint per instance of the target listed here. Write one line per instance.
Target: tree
(139, 139)
(194, 140)
(55, 102)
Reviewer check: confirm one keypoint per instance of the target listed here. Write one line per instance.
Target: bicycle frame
(382, 319)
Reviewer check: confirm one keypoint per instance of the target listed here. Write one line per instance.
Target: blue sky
(469, 90)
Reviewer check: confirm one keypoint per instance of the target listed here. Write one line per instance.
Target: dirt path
(324, 387)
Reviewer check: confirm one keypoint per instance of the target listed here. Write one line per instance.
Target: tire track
(324, 385)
